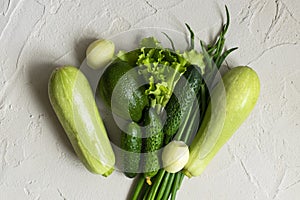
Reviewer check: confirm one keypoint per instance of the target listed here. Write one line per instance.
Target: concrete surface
(261, 161)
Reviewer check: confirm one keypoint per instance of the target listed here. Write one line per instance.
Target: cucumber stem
(187, 173)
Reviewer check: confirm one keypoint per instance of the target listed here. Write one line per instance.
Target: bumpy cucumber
(153, 142)
(74, 104)
(131, 144)
(181, 102)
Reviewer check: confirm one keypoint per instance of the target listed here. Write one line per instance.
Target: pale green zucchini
(73, 102)
(227, 110)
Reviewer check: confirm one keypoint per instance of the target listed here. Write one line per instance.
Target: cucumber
(231, 109)
(180, 105)
(152, 143)
(131, 143)
(120, 88)
(73, 102)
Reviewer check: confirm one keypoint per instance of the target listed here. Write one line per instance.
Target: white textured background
(261, 161)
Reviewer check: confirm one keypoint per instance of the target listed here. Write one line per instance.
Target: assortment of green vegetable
(176, 119)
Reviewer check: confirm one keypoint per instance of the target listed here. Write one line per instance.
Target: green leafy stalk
(216, 50)
(171, 41)
(192, 35)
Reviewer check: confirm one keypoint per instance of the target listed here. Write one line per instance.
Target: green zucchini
(153, 142)
(227, 110)
(73, 102)
(131, 144)
(180, 105)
